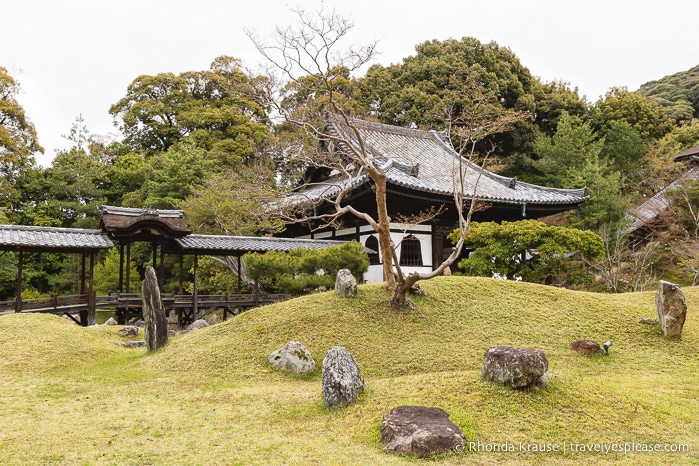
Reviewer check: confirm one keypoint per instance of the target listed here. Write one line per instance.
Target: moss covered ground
(69, 395)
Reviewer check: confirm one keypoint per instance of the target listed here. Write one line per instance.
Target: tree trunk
(384, 232)
(400, 299)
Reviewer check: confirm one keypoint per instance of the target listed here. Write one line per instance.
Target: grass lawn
(69, 395)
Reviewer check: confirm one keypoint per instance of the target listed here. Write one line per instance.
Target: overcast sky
(76, 57)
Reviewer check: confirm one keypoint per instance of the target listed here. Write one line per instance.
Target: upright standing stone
(155, 330)
(342, 382)
(671, 308)
(345, 283)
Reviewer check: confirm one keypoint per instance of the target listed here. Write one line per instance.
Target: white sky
(76, 57)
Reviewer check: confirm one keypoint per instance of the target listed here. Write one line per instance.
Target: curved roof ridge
(336, 119)
(51, 229)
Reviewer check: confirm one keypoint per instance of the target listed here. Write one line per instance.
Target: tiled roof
(16, 237)
(688, 154)
(126, 220)
(235, 244)
(655, 205)
(431, 163)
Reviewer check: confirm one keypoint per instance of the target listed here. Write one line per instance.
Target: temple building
(420, 169)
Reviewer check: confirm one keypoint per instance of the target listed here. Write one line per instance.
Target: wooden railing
(57, 304)
(72, 304)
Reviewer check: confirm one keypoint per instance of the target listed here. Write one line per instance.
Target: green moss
(74, 397)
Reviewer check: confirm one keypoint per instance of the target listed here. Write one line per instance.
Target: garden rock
(129, 331)
(342, 381)
(133, 344)
(647, 321)
(196, 325)
(293, 357)
(345, 283)
(416, 290)
(420, 431)
(155, 330)
(671, 309)
(111, 321)
(516, 367)
(586, 347)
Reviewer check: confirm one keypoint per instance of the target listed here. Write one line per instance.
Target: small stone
(111, 321)
(416, 290)
(586, 347)
(420, 431)
(645, 320)
(132, 344)
(129, 331)
(293, 357)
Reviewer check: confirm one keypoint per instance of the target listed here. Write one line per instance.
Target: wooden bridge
(167, 233)
(128, 306)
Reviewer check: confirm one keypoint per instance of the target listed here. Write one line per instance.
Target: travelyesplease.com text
(572, 447)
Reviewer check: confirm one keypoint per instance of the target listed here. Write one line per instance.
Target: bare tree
(308, 75)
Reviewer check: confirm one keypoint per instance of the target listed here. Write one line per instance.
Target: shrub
(304, 270)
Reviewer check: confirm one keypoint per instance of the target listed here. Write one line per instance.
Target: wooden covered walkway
(168, 234)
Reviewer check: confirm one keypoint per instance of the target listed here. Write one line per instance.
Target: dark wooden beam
(195, 303)
(91, 293)
(121, 267)
(128, 268)
(18, 285)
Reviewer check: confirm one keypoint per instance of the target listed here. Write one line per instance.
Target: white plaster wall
(375, 272)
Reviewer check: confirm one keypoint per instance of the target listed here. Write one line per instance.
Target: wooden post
(161, 270)
(81, 284)
(128, 268)
(155, 255)
(18, 286)
(195, 303)
(240, 285)
(91, 293)
(180, 290)
(121, 266)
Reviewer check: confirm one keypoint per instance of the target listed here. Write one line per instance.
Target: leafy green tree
(645, 117)
(625, 151)
(661, 166)
(678, 94)
(107, 274)
(417, 91)
(215, 110)
(176, 174)
(532, 251)
(554, 99)
(8, 267)
(126, 178)
(75, 187)
(18, 140)
(573, 143)
(233, 203)
(607, 204)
